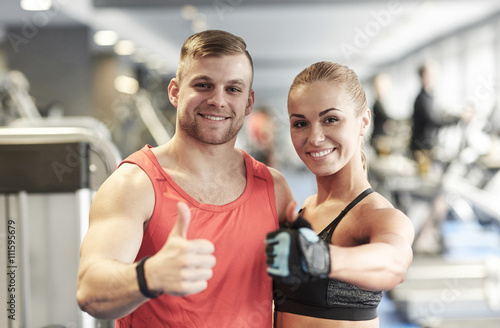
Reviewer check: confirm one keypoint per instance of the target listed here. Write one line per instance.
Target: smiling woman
(328, 101)
(368, 245)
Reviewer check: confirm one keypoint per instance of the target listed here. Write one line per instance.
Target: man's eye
(234, 90)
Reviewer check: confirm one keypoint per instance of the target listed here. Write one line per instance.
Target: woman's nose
(317, 136)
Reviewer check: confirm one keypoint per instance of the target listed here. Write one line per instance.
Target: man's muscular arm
(107, 279)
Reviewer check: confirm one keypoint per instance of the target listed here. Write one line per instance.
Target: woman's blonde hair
(333, 72)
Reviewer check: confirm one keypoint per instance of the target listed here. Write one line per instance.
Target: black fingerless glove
(297, 252)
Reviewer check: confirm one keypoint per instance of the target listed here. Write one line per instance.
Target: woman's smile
(321, 153)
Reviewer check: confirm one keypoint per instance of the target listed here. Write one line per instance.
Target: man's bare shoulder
(278, 178)
(129, 172)
(127, 190)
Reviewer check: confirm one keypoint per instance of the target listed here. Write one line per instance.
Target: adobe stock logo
(31, 26)
(363, 36)
(226, 6)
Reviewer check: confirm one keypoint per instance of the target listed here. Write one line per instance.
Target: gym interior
(83, 84)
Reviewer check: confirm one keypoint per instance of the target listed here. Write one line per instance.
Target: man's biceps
(111, 240)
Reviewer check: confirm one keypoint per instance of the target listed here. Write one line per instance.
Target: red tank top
(240, 292)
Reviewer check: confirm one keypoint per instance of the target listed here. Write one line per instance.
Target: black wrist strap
(141, 279)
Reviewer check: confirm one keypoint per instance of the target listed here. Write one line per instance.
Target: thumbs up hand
(181, 267)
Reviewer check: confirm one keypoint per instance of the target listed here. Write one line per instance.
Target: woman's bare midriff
(290, 320)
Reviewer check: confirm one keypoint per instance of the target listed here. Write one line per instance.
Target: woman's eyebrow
(327, 110)
(322, 113)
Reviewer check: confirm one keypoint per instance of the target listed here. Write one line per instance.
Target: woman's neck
(343, 185)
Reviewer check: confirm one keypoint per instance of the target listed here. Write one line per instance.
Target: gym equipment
(454, 280)
(440, 292)
(15, 87)
(47, 181)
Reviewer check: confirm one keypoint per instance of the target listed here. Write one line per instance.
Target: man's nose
(217, 98)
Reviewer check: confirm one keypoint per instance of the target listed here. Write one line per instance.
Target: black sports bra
(328, 298)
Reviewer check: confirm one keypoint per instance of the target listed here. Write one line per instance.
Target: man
(426, 119)
(381, 86)
(425, 122)
(176, 235)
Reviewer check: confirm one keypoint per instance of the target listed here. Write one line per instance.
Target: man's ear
(250, 102)
(173, 92)
(365, 121)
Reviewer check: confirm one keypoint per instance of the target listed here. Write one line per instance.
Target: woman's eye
(331, 120)
(299, 124)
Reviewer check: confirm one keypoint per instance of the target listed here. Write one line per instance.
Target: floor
(388, 316)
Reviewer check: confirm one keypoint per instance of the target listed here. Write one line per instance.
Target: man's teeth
(214, 118)
(321, 153)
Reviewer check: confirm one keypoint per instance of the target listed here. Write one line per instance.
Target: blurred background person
(382, 85)
(261, 135)
(426, 118)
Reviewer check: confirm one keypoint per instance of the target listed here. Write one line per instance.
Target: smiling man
(176, 233)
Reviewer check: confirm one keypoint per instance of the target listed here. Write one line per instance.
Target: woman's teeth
(321, 153)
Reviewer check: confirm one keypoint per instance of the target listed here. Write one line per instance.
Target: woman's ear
(365, 121)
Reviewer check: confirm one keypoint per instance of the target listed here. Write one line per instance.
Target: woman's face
(325, 129)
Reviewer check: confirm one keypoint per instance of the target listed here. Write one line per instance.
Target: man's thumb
(183, 219)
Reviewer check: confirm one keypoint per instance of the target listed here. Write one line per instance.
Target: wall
(56, 62)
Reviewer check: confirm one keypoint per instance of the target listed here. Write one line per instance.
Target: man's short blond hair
(211, 43)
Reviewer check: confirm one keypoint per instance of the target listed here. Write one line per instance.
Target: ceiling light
(127, 85)
(124, 48)
(188, 12)
(36, 5)
(106, 38)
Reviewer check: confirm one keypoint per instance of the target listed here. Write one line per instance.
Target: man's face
(213, 98)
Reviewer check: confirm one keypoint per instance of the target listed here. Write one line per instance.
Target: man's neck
(213, 174)
(199, 159)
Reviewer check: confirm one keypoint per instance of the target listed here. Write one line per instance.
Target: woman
(369, 240)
